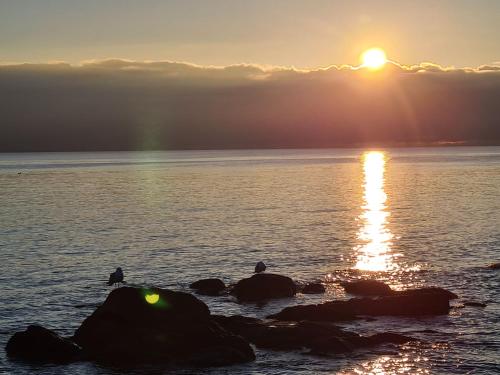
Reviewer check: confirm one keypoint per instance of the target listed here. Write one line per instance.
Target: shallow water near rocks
(410, 217)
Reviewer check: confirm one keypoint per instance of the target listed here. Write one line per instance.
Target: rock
(474, 304)
(494, 266)
(158, 325)
(264, 286)
(42, 345)
(367, 288)
(249, 328)
(208, 287)
(427, 301)
(313, 288)
(388, 337)
(379, 288)
(426, 291)
(318, 337)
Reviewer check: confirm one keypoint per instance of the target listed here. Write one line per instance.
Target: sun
(374, 58)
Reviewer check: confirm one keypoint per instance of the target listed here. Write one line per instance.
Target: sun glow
(374, 58)
(374, 254)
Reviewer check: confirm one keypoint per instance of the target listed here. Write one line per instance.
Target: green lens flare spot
(152, 298)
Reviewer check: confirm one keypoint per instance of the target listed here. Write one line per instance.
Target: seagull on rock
(260, 267)
(116, 277)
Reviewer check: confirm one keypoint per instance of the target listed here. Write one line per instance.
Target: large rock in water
(318, 337)
(426, 301)
(208, 287)
(367, 288)
(379, 288)
(158, 325)
(264, 286)
(42, 345)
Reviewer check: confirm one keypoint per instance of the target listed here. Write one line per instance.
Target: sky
(141, 75)
(304, 34)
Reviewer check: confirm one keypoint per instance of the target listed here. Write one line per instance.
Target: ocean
(408, 216)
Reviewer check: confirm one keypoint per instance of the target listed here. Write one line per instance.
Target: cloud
(126, 105)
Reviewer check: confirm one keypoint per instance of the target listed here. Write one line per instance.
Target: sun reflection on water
(374, 252)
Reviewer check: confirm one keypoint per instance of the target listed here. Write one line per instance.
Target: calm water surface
(411, 217)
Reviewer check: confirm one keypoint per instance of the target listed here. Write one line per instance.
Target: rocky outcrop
(379, 288)
(42, 345)
(435, 291)
(264, 286)
(427, 301)
(209, 287)
(316, 337)
(367, 288)
(158, 325)
(313, 288)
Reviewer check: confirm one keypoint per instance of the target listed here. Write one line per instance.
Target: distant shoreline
(494, 143)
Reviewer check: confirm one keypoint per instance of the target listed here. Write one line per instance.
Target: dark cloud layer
(123, 105)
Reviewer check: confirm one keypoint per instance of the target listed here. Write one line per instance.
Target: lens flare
(152, 298)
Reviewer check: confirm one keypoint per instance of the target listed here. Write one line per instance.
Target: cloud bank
(129, 105)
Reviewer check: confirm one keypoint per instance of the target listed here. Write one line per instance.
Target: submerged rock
(313, 288)
(474, 304)
(209, 287)
(264, 286)
(317, 337)
(42, 345)
(158, 325)
(427, 301)
(367, 288)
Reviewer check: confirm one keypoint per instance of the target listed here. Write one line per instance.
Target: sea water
(409, 216)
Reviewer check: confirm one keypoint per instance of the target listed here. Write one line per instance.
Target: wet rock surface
(264, 286)
(209, 287)
(39, 344)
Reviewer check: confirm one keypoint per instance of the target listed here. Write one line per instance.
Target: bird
(116, 277)
(260, 267)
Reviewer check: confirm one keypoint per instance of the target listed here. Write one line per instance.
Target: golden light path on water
(374, 252)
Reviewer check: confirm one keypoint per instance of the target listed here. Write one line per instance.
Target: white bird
(260, 267)
(116, 277)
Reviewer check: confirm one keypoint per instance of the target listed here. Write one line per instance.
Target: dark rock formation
(443, 293)
(494, 266)
(42, 345)
(367, 288)
(264, 286)
(389, 337)
(208, 287)
(313, 288)
(317, 337)
(427, 301)
(379, 288)
(158, 325)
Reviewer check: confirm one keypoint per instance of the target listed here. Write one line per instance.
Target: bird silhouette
(260, 267)
(116, 277)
